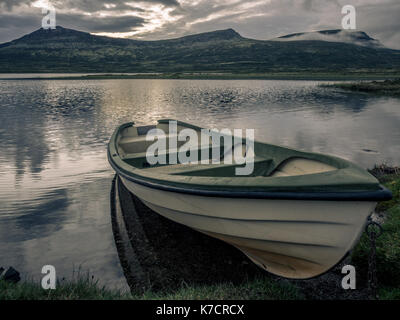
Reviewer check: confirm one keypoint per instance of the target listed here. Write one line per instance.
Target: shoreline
(384, 88)
(210, 281)
(317, 76)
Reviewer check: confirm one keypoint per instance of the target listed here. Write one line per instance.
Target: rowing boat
(296, 215)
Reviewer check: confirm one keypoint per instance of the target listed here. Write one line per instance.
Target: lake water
(54, 175)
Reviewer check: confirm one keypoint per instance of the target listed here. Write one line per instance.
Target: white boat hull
(296, 239)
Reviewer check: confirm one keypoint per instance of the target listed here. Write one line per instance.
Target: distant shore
(387, 87)
(316, 76)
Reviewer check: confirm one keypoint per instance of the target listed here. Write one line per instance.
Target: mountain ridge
(69, 50)
(223, 34)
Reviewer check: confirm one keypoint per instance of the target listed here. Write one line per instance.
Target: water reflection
(54, 175)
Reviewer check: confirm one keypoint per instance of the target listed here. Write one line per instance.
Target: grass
(88, 289)
(389, 293)
(257, 289)
(78, 289)
(387, 245)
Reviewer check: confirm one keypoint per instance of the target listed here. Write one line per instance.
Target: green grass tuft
(79, 289)
(257, 289)
(88, 289)
(389, 293)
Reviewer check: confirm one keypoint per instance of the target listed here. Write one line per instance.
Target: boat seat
(141, 138)
(142, 155)
(139, 144)
(296, 166)
(262, 167)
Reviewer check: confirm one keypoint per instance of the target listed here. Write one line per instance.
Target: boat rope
(373, 230)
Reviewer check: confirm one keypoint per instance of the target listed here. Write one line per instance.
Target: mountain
(338, 35)
(67, 50)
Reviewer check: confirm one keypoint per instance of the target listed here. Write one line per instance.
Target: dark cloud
(259, 19)
(13, 21)
(96, 5)
(9, 4)
(86, 5)
(314, 5)
(123, 7)
(100, 24)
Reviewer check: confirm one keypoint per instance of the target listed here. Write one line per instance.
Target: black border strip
(382, 194)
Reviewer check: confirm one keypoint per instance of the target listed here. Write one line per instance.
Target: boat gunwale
(382, 194)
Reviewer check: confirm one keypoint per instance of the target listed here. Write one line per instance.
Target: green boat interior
(273, 168)
(269, 160)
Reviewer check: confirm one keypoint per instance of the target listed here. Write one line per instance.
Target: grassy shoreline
(268, 287)
(86, 288)
(317, 76)
(386, 87)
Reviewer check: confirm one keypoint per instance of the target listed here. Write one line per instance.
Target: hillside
(66, 50)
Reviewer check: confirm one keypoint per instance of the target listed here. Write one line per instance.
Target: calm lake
(55, 179)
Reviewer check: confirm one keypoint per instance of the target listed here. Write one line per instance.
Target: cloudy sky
(162, 19)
